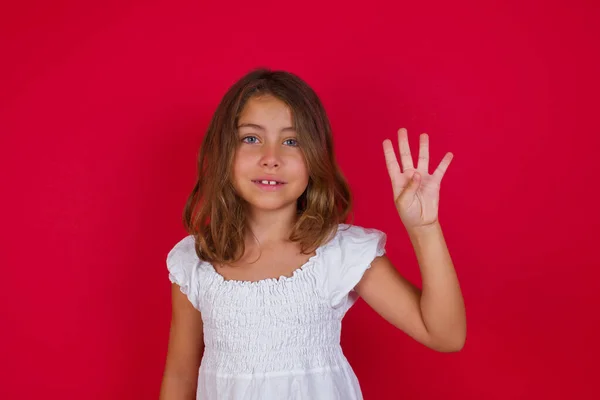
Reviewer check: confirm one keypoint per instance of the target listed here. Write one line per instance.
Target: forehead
(265, 109)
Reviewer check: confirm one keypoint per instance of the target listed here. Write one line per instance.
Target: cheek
(237, 171)
(240, 162)
(301, 168)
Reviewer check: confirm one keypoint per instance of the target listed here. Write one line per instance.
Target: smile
(269, 186)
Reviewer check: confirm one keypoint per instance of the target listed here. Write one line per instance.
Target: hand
(416, 192)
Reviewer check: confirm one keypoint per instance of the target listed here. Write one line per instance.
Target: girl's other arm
(185, 349)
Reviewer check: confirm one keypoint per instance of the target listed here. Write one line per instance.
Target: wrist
(424, 230)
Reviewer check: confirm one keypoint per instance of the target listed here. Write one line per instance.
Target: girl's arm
(186, 346)
(434, 316)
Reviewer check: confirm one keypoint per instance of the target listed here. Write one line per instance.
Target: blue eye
(249, 137)
(253, 140)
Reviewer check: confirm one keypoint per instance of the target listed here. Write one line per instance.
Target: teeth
(268, 182)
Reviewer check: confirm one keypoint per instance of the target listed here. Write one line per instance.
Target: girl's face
(268, 151)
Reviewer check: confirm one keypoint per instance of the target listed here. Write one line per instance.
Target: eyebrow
(262, 128)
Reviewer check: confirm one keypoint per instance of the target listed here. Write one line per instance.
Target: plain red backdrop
(103, 108)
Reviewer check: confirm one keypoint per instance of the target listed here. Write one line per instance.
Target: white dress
(278, 338)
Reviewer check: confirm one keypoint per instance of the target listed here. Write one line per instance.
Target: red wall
(102, 110)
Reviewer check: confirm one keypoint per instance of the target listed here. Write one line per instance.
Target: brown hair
(215, 214)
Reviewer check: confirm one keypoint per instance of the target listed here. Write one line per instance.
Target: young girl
(262, 282)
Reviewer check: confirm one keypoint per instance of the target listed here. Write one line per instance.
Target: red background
(102, 111)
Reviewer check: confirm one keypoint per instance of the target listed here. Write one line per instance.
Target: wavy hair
(215, 214)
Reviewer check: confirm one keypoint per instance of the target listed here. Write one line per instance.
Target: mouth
(269, 182)
(269, 186)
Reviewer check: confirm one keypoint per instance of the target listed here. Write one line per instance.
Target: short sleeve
(357, 248)
(182, 264)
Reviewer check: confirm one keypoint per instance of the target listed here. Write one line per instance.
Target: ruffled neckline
(282, 279)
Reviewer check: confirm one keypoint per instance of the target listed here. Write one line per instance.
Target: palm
(416, 205)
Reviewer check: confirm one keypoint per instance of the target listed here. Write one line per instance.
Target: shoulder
(183, 267)
(185, 247)
(356, 230)
(352, 251)
(353, 244)
(183, 253)
(351, 236)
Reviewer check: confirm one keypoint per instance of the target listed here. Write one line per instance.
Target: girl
(262, 282)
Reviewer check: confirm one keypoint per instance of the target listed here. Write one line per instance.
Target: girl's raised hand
(416, 192)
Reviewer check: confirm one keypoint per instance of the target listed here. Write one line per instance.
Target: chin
(271, 204)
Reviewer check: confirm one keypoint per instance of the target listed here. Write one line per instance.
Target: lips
(269, 180)
(269, 187)
(278, 184)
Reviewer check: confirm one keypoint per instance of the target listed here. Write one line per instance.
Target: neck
(270, 227)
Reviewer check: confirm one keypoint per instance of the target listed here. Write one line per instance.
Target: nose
(270, 157)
